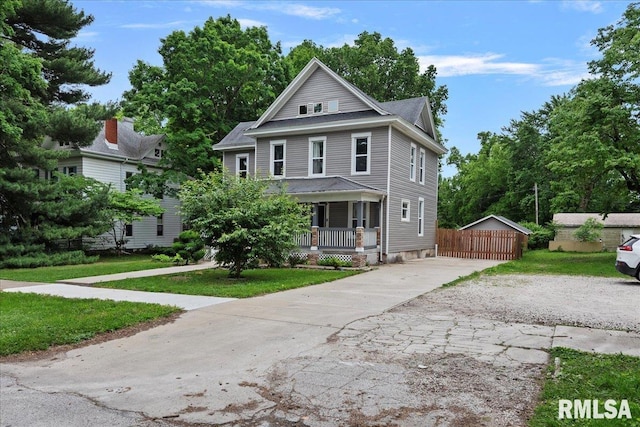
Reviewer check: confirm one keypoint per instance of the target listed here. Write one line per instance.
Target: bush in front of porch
(237, 217)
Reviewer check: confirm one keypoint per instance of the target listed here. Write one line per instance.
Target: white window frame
(313, 140)
(272, 159)
(238, 157)
(413, 151)
(333, 106)
(420, 216)
(421, 165)
(405, 213)
(354, 138)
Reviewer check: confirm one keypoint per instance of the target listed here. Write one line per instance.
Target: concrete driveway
(212, 353)
(352, 352)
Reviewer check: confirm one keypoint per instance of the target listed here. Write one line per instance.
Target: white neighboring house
(112, 157)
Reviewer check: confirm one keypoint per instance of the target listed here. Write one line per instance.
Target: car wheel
(638, 273)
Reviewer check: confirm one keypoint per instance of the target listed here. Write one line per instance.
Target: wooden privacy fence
(481, 244)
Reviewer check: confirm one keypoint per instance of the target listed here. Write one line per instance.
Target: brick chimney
(111, 130)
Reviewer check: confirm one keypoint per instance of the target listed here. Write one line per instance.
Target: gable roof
(630, 220)
(512, 224)
(411, 116)
(302, 77)
(131, 146)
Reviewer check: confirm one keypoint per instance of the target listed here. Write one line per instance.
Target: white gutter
(386, 230)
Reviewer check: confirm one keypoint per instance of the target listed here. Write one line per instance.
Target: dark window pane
(361, 146)
(278, 168)
(317, 166)
(278, 152)
(361, 164)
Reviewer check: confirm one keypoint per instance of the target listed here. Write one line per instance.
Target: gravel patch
(593, 302)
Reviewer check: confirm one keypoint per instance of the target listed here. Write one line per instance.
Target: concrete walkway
(81, 288)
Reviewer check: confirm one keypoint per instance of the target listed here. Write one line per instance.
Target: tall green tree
(374, 65)
(618, 89)
(212, 78)
(42, 79)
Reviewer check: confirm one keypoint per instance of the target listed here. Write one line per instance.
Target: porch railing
(339, 238)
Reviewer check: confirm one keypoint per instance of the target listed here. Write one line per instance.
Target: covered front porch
(346, 220)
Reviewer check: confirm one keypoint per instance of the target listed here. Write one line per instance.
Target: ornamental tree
(245, 219)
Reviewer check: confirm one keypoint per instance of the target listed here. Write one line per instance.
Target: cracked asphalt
(359, 352)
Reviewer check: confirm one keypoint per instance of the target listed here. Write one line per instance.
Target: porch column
(314, 255)
(359, 239)
(359, 213)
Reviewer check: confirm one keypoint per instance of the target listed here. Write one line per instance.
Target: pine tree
(42, 79)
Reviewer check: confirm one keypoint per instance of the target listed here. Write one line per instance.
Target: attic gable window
(332, 106)
(310, 108)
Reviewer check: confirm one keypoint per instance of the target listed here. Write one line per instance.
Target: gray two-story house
(369, 169)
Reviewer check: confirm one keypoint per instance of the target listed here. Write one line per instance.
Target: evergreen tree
(42, 80)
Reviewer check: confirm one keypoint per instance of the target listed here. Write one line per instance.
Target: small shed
(617, 226)
(496, 222)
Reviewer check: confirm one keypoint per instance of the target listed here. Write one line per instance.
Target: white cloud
(487, 63)
(551, 72)
(309, 12)
(590, 6)
(87, 35)
(245, 23)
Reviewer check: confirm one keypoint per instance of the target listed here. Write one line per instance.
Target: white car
(628, 259)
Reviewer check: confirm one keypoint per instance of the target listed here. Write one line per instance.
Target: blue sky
(498, 58)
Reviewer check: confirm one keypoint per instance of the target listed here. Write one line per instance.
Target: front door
(321, 211)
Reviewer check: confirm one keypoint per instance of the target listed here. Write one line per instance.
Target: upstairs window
(412, 163)
(310, 108)
(360, 153)
(332, 106)
(317, 156)
(277, 158)
(127, 177)
(70, 170)
(242, 165)
(421, 165)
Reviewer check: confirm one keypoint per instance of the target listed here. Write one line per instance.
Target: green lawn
(106, 265)
(600, 264)
(30, 322)
(589, 376)
(215, 282)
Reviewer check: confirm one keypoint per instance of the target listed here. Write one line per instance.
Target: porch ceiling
(328, 189)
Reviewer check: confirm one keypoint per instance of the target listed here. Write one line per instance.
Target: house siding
(320, 87)
(337, 156)
(490, 224)
(113, 172)
(339, 214)
(229, 160)
(403, 236)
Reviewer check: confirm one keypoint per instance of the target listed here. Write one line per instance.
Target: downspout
(386, 231)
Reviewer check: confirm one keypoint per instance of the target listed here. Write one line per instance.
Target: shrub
(334, 262)
(188, 247)
(47, 260)
(295, 259)
(589, 231)
(540, 236)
